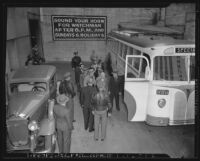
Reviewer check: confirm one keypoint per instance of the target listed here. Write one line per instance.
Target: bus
(159, 74)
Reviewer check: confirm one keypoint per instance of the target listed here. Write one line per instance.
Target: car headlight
(161, 103)
(32, 126)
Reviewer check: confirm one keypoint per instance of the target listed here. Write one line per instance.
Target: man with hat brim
(113, 89)
(76, 60)
(85, 100)
(66, 87)
(88, 76)
(63, 123)
(75, 63)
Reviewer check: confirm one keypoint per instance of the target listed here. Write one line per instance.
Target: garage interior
(29, 26)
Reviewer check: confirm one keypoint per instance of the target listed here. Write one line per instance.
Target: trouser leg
(121, 85)
(72, 109)
(111, 100)
(117, 100)
(60, 140)
(103, 125)
(67, 141)
(96, 128)
(86, 117)
(91, 120)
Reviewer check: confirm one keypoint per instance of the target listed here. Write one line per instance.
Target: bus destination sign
(185, 50)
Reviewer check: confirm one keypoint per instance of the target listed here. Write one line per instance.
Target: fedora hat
(62, 99)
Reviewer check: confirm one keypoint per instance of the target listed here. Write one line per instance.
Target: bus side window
(121, 50)
(125, 50)
(130, 52)
(192, 68)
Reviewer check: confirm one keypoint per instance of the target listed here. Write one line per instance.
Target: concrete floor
(129, 137)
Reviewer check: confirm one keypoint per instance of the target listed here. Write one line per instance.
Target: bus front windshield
(173, 68)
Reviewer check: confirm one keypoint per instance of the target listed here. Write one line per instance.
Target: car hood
(24, 104)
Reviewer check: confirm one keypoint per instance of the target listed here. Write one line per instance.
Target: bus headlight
(161, 103)
(32, 126)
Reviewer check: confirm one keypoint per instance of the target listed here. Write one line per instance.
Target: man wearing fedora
(88, 76)
(76, 60)
(75, 63)
(66, 87)
(63, 123)
(85, 100)
(113, 88)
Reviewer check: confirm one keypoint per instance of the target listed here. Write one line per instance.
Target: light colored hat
(66, 75)
(90, 81)
(62, 99)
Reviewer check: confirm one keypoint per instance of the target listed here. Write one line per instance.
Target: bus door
(137, 72)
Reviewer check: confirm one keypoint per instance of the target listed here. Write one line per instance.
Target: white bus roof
(146, 42)
(149, 28)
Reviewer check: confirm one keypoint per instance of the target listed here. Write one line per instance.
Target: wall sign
(79, 27)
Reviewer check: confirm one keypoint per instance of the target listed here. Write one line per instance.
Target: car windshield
(28, 86)
(171, 68)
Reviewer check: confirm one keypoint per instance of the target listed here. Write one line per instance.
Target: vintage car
(29, 115)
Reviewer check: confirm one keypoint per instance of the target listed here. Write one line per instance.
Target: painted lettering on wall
(79, 27)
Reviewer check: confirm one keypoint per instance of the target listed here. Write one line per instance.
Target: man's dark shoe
(102, 139)
(74, 121)
(91, 130)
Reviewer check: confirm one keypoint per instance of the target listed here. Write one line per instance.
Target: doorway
(35, 34)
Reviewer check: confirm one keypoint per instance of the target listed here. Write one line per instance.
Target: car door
(136, 86)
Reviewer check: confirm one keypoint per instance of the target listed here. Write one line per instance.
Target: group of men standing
(96, 92)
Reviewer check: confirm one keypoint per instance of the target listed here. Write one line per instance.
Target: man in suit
(113, 89)
(76, 60)
(66, 87)
(63, 123)
(85, 100)
(75, 63)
